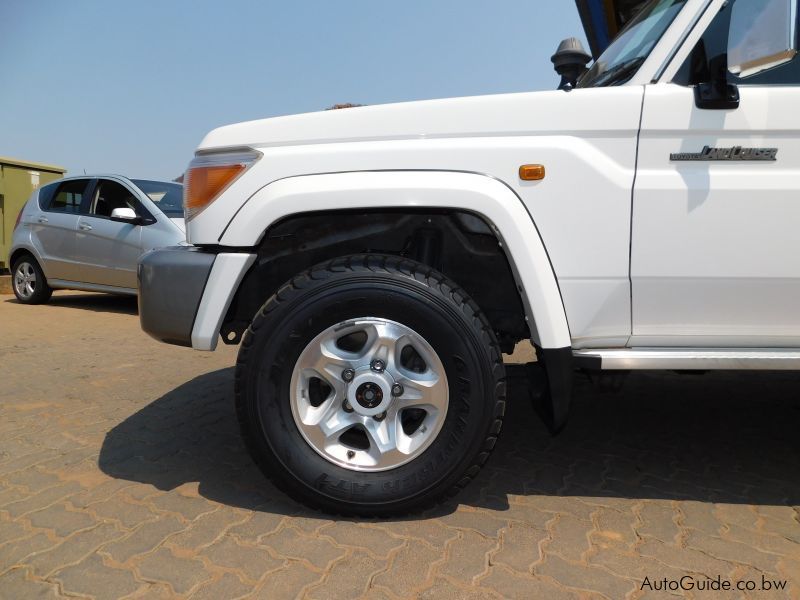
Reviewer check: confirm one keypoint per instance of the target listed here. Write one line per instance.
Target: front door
(108, 250)
(715, 255)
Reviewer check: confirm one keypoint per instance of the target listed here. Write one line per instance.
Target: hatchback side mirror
(125, 215)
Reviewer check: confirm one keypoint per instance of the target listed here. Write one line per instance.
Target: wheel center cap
(370, 393)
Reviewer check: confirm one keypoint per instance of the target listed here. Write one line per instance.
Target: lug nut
(347, 406)
(397, 390)
(380, 417)
(377, 365)
(348, 375)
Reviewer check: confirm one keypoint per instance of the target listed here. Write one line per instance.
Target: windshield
(632, 46)
(167, 196)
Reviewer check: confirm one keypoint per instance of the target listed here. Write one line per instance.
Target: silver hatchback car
(87, 233)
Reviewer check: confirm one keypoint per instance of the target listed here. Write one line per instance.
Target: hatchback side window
(109, 195)
(68, 197)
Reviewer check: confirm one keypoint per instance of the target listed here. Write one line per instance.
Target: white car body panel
(586, 234)
(715, 251)
(226, 274)
(475, 193)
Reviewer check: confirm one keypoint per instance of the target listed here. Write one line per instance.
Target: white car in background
(87, 233)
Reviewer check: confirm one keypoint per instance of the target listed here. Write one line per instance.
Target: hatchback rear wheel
(29, 283)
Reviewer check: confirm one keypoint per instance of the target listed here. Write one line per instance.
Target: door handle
(42, 220)
(84, 226)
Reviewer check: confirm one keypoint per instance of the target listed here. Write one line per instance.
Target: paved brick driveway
(122, 474)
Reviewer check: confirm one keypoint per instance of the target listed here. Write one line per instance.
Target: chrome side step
(688, 359)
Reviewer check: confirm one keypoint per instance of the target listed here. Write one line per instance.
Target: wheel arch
(488, 198)
(19, 251)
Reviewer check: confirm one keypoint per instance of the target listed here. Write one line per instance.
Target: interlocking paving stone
(12, 530)
(41, 499)
(581, 577)
(290, 543)
(570, 538)
(62, 521)
(12, 552)
(481, 523)
(128, 514)
(73, 549)
(408, 569)
(181, 574)
(187, 507)
(207, 528)
(658, 520)
(430, 531)
(229, 587)
(256, 526)
(288, 581)
(93, 578)
(443, 589)
(513, 585)
(102, 492)
(732, 552)
(16, 583)
(686, 559)
(520, 547)
(144, 538)
(349, 577)
(467, 557)
(253, 561)
(33, 479)
(112, 483)
(354, 535)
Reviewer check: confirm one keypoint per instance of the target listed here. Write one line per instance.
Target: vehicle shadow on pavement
(726, 437)
(108, 303)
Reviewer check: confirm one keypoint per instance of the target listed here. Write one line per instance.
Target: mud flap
(550, 385)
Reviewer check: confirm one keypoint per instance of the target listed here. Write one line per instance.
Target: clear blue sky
(131, 87)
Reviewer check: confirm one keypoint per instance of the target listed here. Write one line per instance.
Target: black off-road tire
(41, 292)
(385, 287)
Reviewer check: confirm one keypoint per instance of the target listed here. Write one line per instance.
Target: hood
(495, 115)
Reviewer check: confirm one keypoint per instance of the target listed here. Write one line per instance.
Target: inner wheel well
(459, 244)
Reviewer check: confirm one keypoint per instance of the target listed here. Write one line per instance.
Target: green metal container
(18, 178)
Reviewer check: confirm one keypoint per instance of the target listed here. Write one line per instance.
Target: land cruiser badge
(733, 153)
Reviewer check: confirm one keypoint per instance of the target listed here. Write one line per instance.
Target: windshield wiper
(621, 72)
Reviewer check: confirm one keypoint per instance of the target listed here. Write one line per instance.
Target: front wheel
(370, 385)
(28, 281)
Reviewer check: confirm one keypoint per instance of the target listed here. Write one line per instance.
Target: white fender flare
(485, 196)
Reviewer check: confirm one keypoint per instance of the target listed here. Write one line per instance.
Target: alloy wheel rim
(369, 394)
(25, 280)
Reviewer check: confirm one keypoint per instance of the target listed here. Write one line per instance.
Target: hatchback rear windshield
(167, 196)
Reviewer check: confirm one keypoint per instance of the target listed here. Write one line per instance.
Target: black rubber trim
(171, 284)
(550, 382)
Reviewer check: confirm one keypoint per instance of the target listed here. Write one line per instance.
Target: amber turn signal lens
(531, 172)
(204, 183)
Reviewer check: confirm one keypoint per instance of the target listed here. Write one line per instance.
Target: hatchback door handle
(42, 219)
(85, 226)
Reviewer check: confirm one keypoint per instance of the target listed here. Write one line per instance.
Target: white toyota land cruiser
(375, 261)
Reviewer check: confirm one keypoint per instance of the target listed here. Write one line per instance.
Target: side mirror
(570, 62)
(762, 35)
(125, 215)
